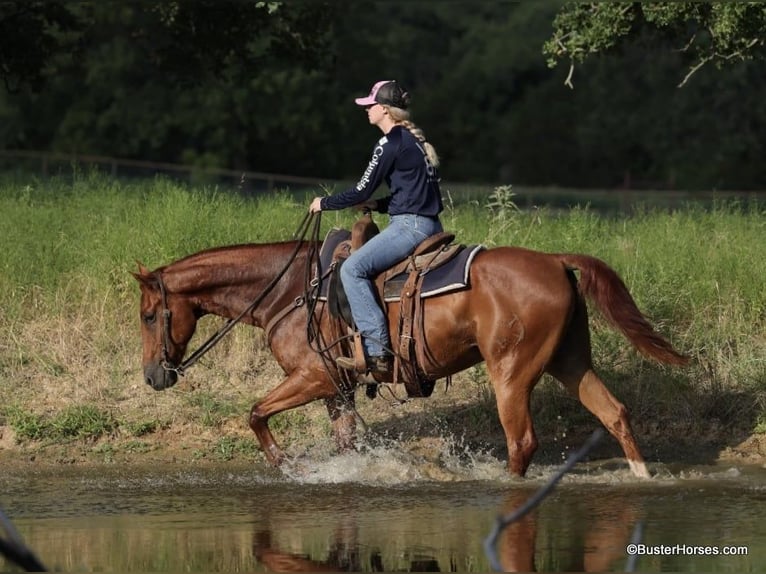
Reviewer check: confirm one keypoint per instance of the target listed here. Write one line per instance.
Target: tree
(270, 87)
(193, 82)
(707, 32)
(184, 41)
(30, 34)
(187, 40)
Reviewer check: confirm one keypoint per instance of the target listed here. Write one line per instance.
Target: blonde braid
(402, 117)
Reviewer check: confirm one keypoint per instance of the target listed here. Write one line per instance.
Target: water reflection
(569, 533)
(573, 533)
(344, 555)
(241, 522)
(516, 544)
(423, 527)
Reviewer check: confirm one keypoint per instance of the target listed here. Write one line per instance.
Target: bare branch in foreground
(490, 543)
(14, 549)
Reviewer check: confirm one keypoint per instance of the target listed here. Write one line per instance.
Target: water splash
(387, 461)
(390, 461)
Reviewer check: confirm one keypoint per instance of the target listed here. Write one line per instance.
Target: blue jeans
(396, 242)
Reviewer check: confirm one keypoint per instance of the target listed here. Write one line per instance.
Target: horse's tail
(601, 285)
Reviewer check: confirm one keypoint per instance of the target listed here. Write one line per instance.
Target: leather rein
(213, 340)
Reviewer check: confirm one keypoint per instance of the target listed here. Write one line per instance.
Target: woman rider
(408, 164)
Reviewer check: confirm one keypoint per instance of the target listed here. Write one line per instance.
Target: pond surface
(380, 513)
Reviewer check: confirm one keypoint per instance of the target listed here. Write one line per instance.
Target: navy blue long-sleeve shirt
(400, 160)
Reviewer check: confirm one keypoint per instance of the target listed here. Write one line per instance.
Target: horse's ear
(140, 278)
(144, 275)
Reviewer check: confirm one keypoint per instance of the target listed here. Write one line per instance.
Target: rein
(300, 234)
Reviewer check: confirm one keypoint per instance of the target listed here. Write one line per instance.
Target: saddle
(404, 282)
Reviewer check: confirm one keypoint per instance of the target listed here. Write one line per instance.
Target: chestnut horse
(524, 314)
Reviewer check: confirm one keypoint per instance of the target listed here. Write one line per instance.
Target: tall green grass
(69, 304)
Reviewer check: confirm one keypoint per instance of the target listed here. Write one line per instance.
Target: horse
(524, 314)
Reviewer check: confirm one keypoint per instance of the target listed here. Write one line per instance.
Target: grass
(228, 448)
(70, 346)
(78, 421)
(211, 411)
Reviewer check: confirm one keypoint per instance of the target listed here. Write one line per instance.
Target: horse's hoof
(276, 456)
(639, 469)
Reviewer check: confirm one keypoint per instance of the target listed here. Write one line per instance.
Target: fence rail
(46, 162)
(618, 200)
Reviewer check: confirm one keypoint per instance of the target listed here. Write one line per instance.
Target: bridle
(165, 326)
(312, 288)
(230, 324)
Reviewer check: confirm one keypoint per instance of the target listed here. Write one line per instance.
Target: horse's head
(168, 322)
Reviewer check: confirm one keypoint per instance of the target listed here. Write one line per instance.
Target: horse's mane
(231, 264)
(242, 252)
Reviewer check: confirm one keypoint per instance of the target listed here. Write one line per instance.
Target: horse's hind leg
(343, 418)
(516, 358)
(514, 375)
(512, 395)
(594, 395)
(572, 365)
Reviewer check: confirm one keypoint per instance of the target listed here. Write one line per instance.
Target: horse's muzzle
(159, 378)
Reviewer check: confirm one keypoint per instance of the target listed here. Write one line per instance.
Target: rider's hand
(316, 205)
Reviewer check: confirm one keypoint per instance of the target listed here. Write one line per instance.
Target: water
(384, 511)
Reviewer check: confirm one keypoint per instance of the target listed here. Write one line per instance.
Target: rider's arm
(380, 164)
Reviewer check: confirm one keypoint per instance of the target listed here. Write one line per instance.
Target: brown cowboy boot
(375, 365)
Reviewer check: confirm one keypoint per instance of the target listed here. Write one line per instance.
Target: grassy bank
(70, 372)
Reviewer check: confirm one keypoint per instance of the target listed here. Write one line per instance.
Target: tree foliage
(30, 34)
(717, 32)
(269, 86)
(182, 41)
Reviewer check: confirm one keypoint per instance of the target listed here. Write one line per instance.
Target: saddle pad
(451, 276)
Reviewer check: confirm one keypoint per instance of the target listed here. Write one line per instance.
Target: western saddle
(413, 361)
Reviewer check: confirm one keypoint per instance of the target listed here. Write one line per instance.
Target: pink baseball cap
(388, 93)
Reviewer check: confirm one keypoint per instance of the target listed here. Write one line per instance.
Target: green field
(70, 345)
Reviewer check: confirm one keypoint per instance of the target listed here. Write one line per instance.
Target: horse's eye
(149, 318)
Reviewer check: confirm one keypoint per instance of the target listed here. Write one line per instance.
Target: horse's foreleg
(297, 389)
(343, 420)
(259, 423)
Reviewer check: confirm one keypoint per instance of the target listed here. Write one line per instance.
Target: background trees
(717, 32)
(269, 86)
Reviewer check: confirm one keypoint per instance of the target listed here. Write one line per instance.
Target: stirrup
(346, 363)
